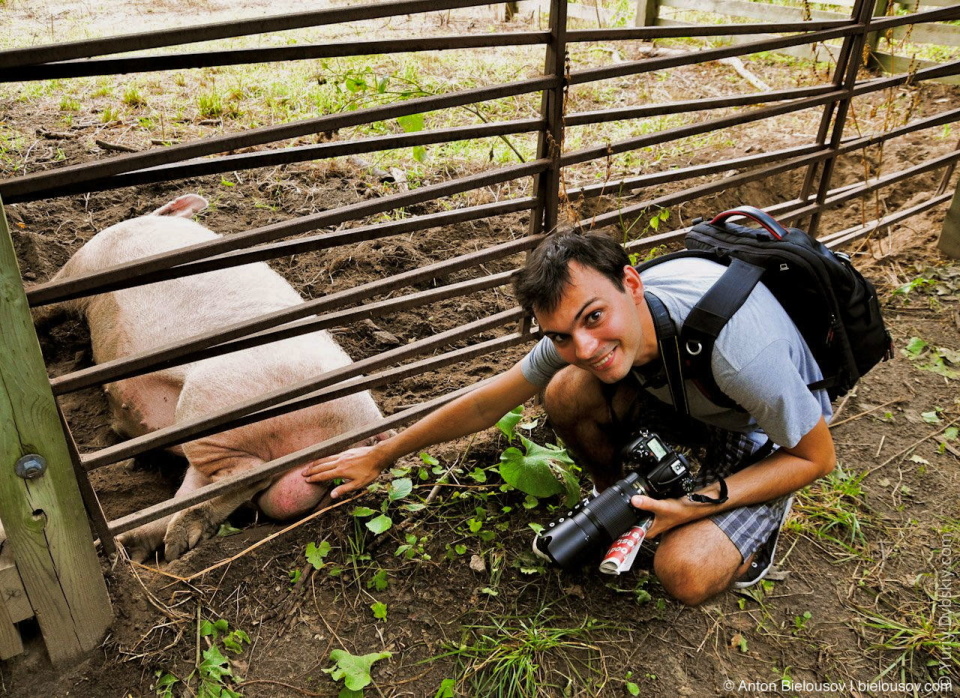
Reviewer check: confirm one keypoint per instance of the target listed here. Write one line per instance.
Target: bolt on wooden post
(40, 504)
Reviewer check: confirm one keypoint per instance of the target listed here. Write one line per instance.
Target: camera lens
(592, 527)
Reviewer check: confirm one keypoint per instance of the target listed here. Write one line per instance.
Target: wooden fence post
(880, 8)
(949, 242)
(40, 502)
(647, 11)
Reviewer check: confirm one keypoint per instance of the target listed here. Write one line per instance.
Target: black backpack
(833, 306)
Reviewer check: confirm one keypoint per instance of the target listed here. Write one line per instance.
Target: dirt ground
(866, 589)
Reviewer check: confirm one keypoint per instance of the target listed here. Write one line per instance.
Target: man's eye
(558, 338)
(595, 316)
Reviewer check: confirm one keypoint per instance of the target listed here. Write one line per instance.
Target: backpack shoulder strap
(708, 317)
(669, 344)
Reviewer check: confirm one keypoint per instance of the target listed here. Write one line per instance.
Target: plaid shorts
(747, 527)
(723, 453)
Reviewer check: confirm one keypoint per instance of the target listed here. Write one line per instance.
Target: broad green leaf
(379, 610)
(930, 417)
(419, 153)
(380, 524)
(379, 581)
(633, 689)
(360, 512)
(915, 347)
(354, 670)
(400, 488)
(214, 665)
(508, 422)
(316, 553)
(531, 472)
(411, 122)
(951, 433)
(428, 459)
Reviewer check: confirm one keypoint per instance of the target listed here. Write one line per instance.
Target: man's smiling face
(598, 327)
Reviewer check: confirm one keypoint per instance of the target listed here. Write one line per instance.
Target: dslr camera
(594, 523)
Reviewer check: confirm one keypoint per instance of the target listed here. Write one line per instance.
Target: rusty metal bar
(325, 448)
(192, 348)
(683, 32)
(940, 71)
(852, 58)
(184, 352)
(284, 156)
(388, 377)
(546, 186)
(693, 105)
(597, 152)
(222, 420)
(614, 217)
(15, 58)
(847, 235)
(33, 186)
(141, 271)
(656, 178)
(667, 176)
(182, 61)
(947, 14)
(650, 64)
(336, 239)
(887, 180)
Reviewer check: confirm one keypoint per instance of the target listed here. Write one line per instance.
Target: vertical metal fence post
(40, 503)
(949, 242)
(846, 78)
(546, 187)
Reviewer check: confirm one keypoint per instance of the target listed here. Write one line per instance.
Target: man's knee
(696, 562)
(573, 395)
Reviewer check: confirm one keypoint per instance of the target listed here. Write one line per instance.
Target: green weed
(832, 509)
(133, 98)
(939, 360)
(528, 657)
(353, 670)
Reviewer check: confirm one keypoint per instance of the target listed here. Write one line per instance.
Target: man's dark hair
(543, 279)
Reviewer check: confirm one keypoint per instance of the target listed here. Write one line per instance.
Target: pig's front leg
(190, 526)
(140, 543)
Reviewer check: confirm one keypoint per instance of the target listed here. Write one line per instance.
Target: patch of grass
(69, 103)
(922, 635)
(831, 509)
(527, 657)
(210, 105)
(133, 98)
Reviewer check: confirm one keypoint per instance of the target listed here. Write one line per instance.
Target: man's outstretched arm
(468, 414)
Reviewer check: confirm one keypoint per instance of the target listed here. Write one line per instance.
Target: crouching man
(600, 366)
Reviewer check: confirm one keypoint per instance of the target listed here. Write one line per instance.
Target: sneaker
(763, 558)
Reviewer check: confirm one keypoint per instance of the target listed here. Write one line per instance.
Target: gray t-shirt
(759, 360)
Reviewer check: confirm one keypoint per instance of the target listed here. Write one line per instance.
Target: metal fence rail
(618, 203)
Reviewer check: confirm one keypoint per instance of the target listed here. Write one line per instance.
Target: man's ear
(632, 283)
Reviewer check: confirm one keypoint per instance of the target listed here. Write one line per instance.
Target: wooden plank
(753, 10)
(949, 242)
(897, 65)
(647, 11)
(12, 594)
(10, 643)
(808, 52)
(937, 34)
(43, 517)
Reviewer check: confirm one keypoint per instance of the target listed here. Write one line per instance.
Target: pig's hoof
(136, 547)
(189, 528)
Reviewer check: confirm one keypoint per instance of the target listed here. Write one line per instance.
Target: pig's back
(170, 310)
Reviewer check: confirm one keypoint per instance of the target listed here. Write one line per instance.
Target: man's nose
(585, 345)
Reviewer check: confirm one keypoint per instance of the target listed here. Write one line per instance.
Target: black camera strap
(668, 342)
(706, 499)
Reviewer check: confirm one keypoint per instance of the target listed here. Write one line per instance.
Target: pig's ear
(185, 206)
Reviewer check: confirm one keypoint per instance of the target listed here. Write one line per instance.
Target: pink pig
(133, 320)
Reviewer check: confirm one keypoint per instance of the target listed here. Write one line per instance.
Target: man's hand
(668, 513)
(357, 466)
